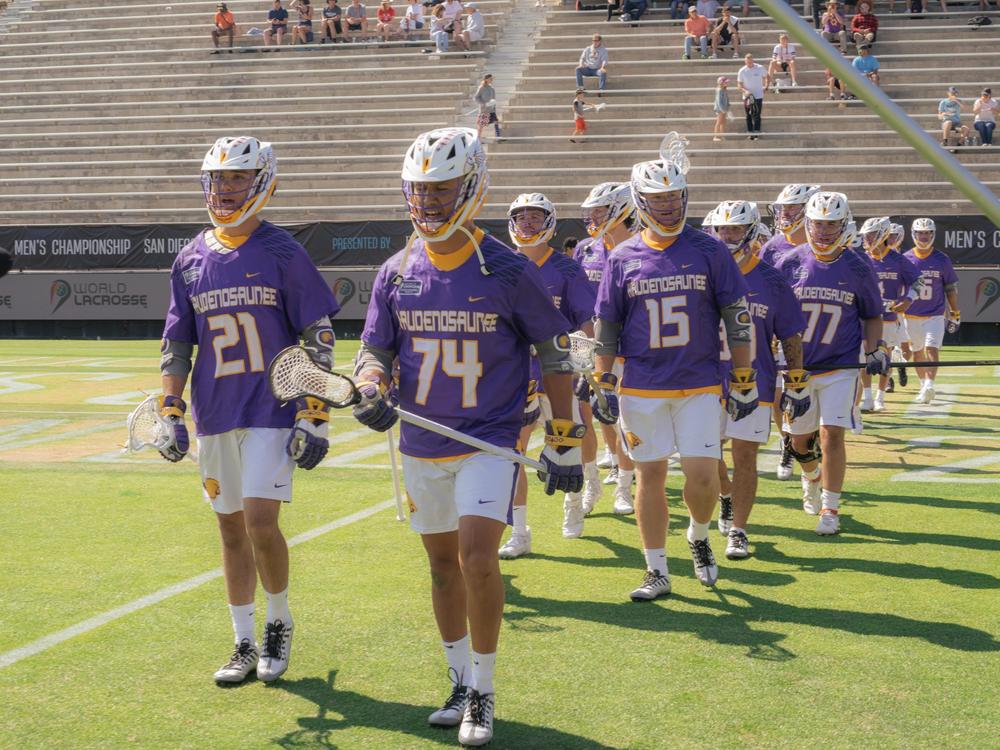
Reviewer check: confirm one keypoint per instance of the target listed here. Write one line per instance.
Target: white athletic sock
(737, 528)
(928, 382)
(243, 626)
(614, 460)
(697, 531)
(831, 500)
(656, 559)
(482, 671)
(866, 393)
(459, 658)
(813, 475)
(520, 519)
(590, 472)
(625, 478)
(277, 607)
(880, 395)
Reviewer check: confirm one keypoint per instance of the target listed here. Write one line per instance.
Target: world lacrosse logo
(343, 290)
(58, 293)
(987, 292)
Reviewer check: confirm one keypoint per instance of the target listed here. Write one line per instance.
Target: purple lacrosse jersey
(668, 305)
(835, 297)
(462, 339)
(775, 311)
(592, 255)
(241, 308)
(895, 277)
(936, 272)
(774, 249)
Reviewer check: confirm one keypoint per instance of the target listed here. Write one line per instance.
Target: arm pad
(951, 287)
(175, 357)
(318, 340)
(554, 354)
(736, 317)
(607, 334)
(373, 358)
(914, 291)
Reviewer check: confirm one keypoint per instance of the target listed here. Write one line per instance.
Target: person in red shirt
(224, 25)
(386, 15)
(864, 25)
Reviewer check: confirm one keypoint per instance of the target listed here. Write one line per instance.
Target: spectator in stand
(833, 26)
(633, 10)
(453, 17)
(707, 8)
(752, 80)
(867, 63)
(832, 82)
(332, 30)
(864, 25)
(357, 19)
(677, 9)
(486, 98)
(385, 18)
(277, 19)
(613, 7)
(783, 59)
(696, 29)
(721, 107)
(303, 28)
(414, 18)
(473, 29)
(985, 109)
(569, 246)
(950, 115)
(225, 25)
(725, 33)
(593, 62)
(438, 33)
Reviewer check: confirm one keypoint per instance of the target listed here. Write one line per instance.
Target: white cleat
(811, 491)
(612, 476)
(867, 405)
(477, 723)
(623, 505)
(725, 522)
(592, 491)
(606, 460)
(654, 585)
(737, 546)
(241, 663)
(928, 394)
(573, 516)
(276, 649)
(704, 562)
(517, 546)
(451, 713)
(829, 523)
(785, 459)
(879, 404)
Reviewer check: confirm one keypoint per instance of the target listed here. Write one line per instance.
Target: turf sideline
(46, 642)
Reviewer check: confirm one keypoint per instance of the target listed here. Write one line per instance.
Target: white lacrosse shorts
(924, 332)
(249, 462)
(894, 332)
(753, 428)
(656, 427)
(833, 400)
(440, 492)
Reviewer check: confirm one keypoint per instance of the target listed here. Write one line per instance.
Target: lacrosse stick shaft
(602, 400)
(950, 363)
(473, 442)
(395, 476)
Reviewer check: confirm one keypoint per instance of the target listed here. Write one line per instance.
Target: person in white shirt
(453, 17)
(473, 29)
(414, 18)
(783, 59)
(752, 80)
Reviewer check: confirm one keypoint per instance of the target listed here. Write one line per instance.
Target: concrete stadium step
(671, 56)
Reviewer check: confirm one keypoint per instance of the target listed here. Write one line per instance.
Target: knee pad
(812, 453)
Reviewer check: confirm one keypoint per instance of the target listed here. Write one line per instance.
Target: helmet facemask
(788, 217)
(663, 213)
(826, 236)
(924, 239)
(737, 237)
(529, 226)
(436, 208)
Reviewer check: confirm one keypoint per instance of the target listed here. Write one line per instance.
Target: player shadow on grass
(346, 709)
(855, 531)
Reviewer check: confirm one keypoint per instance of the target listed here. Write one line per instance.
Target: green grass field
(886, 636)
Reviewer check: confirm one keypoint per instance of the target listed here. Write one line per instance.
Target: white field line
(46, 642)
(13, 432)
(80, 432)
(933, 441)
(946, 396)
(5, 362)
(946, 473)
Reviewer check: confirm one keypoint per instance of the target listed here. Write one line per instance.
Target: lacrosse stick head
(293, 374)
(673, 149)
(581, 352)
(146, 427)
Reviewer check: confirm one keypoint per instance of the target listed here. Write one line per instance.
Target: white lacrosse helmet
(608, 205)
(874, 233)
(737, 214)
(834, 233)
(708, 223)
(786, 209)
(660, 177)
(548, 228)
(923, 225)
(231, 154)
(897, 232)
(760, 238)
(438, 156)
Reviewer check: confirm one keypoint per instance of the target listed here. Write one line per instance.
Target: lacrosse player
(897, 233)
(838, 292)
(241, 292)
(609, 215)
(899, 284)
(776, 313)
(659, 306)
(461, 310)
(938, 302)
(531, 224)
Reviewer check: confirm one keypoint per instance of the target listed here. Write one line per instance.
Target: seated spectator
(473, 28)
(950, 115)
(707, 8)
(867, 63)
(332, 30)
(695, 30)
(593, 62)
(985, 109)
(277, 19)
(385, 18)
(613, 7)
(453, 16)
(303, 29)
(438, 34)
(726, 33)
(225, 25)
(833, 27)
(633, 10)
(677, 9)
(783, 59)
(357, 19)
(832, 82)
(414, 18)
(864, 25)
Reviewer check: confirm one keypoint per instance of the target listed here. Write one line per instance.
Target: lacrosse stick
(673, 149)
(293, 375)
(581, 354)
(146, 428)
(395, 476)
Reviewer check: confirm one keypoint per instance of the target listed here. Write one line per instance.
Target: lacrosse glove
(796, 399)
(954, 318)
(307, 443)
(877, 362)
(607, 382)
(374, 410)
(175, 442)
(743, 397)
(561, 456)
(582, 389)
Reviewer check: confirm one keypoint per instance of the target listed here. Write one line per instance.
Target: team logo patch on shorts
(212, 488)
(632, 439)
(410, 503)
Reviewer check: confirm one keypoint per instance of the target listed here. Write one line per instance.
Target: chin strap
(398, 278)
(479, 253)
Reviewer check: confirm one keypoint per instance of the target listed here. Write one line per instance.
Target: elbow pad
(554, 354)
(175, 357)
(951, 287)
(372, 358)
(318, 340)
(738, 323)
(607, 335)
(914, 291)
